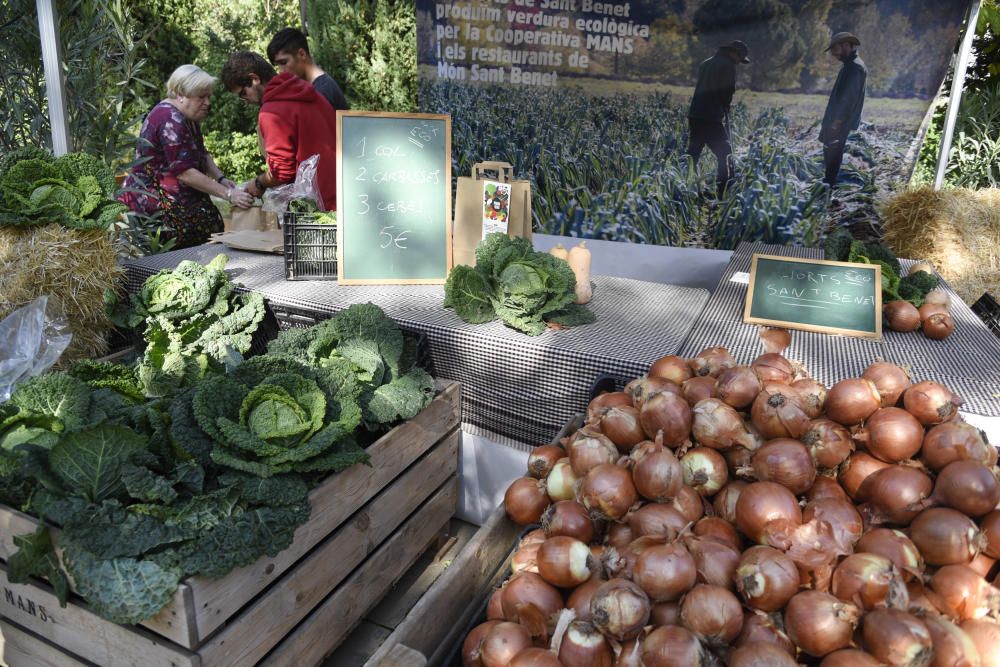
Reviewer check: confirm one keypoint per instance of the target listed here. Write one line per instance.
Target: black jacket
(848, 95)
(714, 91)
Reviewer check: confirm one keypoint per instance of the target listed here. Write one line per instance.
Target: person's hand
(228, 183)
(240, 198)
(251, 187)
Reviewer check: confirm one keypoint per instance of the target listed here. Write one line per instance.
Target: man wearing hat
(713, 94)
(843, 111)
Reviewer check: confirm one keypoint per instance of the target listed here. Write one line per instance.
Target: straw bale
(958, 230)
(73, 266)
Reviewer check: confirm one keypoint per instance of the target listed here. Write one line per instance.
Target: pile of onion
(717, 513)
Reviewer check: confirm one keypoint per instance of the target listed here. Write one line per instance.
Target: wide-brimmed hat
(843, 37)
(741, 49)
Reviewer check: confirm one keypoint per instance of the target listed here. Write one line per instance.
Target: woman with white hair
(174, 174)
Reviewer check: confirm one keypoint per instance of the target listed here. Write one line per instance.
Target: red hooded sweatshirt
(295, 122)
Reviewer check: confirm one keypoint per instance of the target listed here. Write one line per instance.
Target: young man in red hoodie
(294, 122)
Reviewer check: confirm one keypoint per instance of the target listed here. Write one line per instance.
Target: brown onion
(775, 339)
(952, 646)
(494, 608)
(689, 503)
(939, 326)
(759, 626)
(565, 562)
(719, 426)
(813, 396)
(608, 491)
(990, 525)
(535, 657)
(890, 380)
(705, 470)
(561, 482)
(665, 613)
(850, 657)
(619, 609)
(982, 564)
(673, 646)
(665, 572)
(901, 316)
(946, 536)
(891, 434)
(858, 468)
(656, 520)
(738, 459)
(579, 599)
(718, 529)
(668, 414)
(621, 425)
(928, 309)
(529, 589)
(760, 655)
(712, 613)
(766, 578)
(473, 644)
(842, 516)
(601, 403)
(724, 502)
(737, 387)
(777, 412)
(657, 473)
(570, 518)
(869, 581)
(828, 442)
(773, 367)
(541, 460)
(712, 361)
(589, 448)
(895, 546)
(967, 486)
(525, 500)
(826, 488)
(897, 638)
(985, 634)
(850, 402)
(895, 494)
(955, 441)
(504, 641)
(583, 645)
(931, 403)
(525, 559)
(764, 507)
(962, 593)
(631, 653)
(819, 623)
(673, 368)
(698, 389)
(641, 388)
(786, 462)
(714, 560)
(620, 535)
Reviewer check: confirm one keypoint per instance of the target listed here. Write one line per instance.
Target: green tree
(169, 26)
(819, 69)
(668, 52)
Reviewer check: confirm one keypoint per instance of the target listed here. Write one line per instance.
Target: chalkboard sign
(393, 198)
(815, 295)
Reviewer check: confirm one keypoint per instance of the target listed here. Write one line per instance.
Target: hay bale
(73, 266)
(958, 230)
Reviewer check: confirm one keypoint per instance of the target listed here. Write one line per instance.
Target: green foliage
(35, 557)
(236, 154)
(974, 160)
(914, 287)
(512, 282)
(369, 47)
(44, 407)
(840, 246)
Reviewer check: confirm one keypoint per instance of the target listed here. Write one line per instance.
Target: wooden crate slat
(84, 633)
(271, 616)
(20, 648)
(333, 620)
(215, 601)
(403, 656)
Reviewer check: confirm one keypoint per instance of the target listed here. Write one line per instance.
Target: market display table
(967, 362)
(516, 389)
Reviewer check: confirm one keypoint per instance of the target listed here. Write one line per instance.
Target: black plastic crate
(988, 311)
(310, 248)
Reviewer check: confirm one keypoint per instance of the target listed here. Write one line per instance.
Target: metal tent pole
(55, 84)
(955, 101)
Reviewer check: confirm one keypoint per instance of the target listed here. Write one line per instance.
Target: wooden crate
(368, 525)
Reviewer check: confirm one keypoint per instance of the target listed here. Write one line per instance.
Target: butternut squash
(559, 251)
(579, 261)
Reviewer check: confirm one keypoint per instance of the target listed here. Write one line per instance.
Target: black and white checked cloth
(516, 389)
(967, 362)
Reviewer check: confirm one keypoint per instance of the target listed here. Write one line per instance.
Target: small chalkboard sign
(393, 198)
(815, 295)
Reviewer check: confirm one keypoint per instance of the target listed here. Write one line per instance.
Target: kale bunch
(841, 246)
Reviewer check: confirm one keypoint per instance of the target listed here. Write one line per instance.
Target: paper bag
(468, 225)
(252, 219)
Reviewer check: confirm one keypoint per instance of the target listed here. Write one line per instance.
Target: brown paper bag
(252, 219)
(468, 225)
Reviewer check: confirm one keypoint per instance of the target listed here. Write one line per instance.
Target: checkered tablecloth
(516, 389)
(968, 361)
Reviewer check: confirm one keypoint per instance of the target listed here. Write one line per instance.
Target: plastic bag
(306, 186)
(31, 340)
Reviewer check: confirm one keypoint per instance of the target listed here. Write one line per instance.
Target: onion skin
(608, 491)
(766, 578)
(525, 559)
(724, 502)
(665, 572)
(969, 487)
(579, 599)
(713, 613)
(583, 645)
(705, 470)
(819, 623)
(494, 609)
(869, 581)
(828, 442)
(561, 481)
(589, 448)
(773, 367)
(604, 401)
(985, 634)
(990, 525)
(777, 412)
(813, 396)
(688, 502)
(897, 638)
(939, 326)
(620, 535)
(931, 403)
(473, 644)
(760, 654)
(856, 470)
(982, 564)
(895, 546)
(669, 414)
(720, 426)
(541, 460)
(673, 646)
(565, 561)
(641, 388)
(621, 426)
(656, 520)
(569, 518)
(952, 646)
(525, 500)
(738, 387)
(504, 641)
(892, 435)
(759, 627)
(657, 473)
(890, 380)
(673, 368)
(719, 530)
(665, 613)
(901, 316)
(850, 402)
(535, 657)
(844, 520)
(619, 608)
(826, 488)
(529, 588)
(786, 462)
(895, 494)
(762, 503)
(712, 361)
(928, 309)
(962, 593)
(696, 390)
(850, 657)
(714, 560)
(955, 441)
